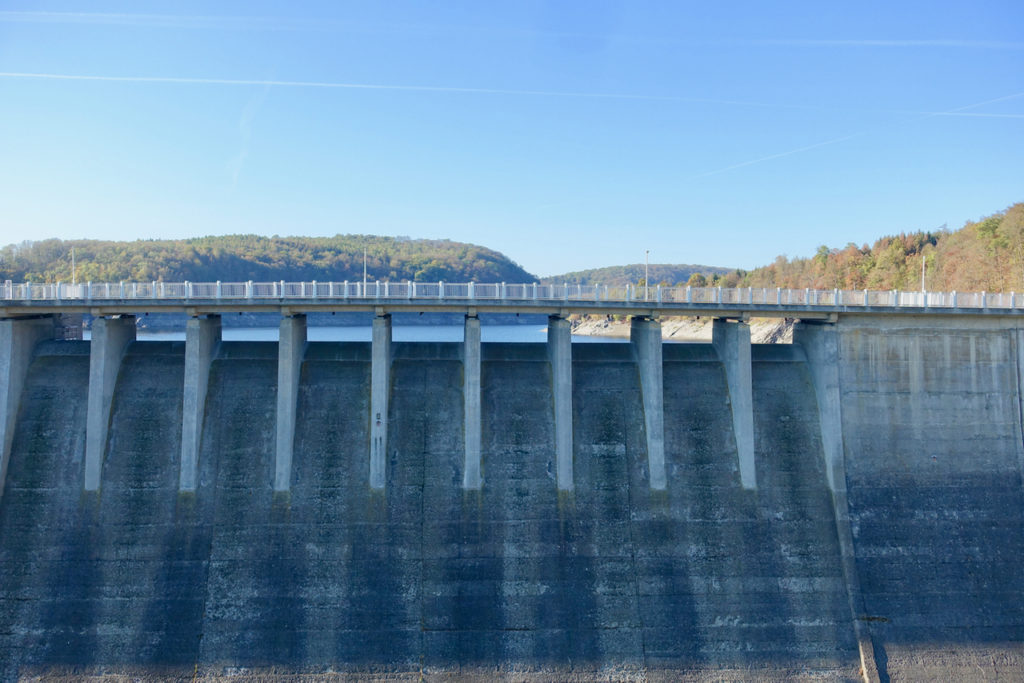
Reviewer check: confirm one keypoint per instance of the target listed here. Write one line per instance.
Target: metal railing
(499, 291)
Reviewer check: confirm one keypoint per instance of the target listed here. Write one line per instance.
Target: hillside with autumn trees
(987, 255)
(240, 258)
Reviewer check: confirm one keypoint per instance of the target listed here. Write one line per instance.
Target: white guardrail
(440, 291)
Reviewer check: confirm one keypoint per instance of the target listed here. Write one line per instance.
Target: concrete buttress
(110, 338)
(17, 340)
(471, 477)
(560, 355)
(291, 349)
(380, 388)
(202, 335)
(732, 342)
(645, 335)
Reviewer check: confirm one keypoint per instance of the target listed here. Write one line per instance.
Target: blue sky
(567, 135)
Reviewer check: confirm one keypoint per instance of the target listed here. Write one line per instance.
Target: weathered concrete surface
(932, 437)
(645, 336)
(471, 474)
(559, 348)
(732, 341)
(291, 348)
(423, 578)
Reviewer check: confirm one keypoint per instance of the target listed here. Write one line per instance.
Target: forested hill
(620, 275)
(987, 255)
(248, 257)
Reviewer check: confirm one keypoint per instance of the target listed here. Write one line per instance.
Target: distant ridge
(252, 257)
(672, 274)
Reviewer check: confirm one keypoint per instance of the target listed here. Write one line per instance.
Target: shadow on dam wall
(705, 580)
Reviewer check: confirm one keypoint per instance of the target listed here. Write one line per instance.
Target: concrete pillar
(202, 335)
(471, 478)
(645, 335)
(821, 345)
(110, 338)
(380, 389)
(560, 356)
(732, 342)
(18, 338)
(291, 347)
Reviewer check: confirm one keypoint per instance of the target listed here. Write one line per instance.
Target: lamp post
(647, 268)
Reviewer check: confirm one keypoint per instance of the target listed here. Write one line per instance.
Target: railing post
(689, 295)
(925, 294)
(1013, 299)
(719, 295)
(344, 292)
(248, 289)
(163, 291)
(750, 295)
(440, 289)
(778, 296)
(629, 289)
(836, 294)
(410, 290)
(657, 294)
(954, 299)
(120, 289)
(219, 290)
(282, 289)
(896, 297)
(472, 290)
(984, 300)
(534, 290)
(502, 291)
(866, 298)
(565, 291)
(188, 290)
(57, 297)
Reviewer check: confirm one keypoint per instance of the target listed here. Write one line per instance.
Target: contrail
(478, 91)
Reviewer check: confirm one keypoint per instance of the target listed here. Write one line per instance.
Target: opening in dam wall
(868, 527)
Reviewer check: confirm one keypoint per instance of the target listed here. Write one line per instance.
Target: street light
(647, 268)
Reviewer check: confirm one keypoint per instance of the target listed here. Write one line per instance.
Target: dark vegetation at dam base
(918, 544)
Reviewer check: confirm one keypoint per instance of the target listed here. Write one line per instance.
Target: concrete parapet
(380, 389)
(290, 351)
(17, 340)
(471, 477)
(560, 356)
(202, 335)
(110, 338)
(732, 342)
(645, 336)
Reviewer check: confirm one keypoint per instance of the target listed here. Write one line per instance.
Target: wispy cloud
(329, 85)
(245, 121)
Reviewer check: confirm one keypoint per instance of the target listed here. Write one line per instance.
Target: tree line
(251, 257)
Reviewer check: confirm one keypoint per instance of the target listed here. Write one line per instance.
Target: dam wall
(896, 559)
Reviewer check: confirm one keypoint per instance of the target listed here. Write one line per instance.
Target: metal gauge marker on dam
(846, 507)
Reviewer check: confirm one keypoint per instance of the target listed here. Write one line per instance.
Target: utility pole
(647, 270)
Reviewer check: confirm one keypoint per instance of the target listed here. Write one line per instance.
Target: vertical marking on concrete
(645, 335)
(821, 345)
(560, 357)
(291, 347)
(471, 478)
(732, 341)
(110, 339)
(1018, 342)
(18, 339)
(380, 388)
(202, 335)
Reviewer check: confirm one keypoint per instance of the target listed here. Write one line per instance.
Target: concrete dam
(847, 507)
